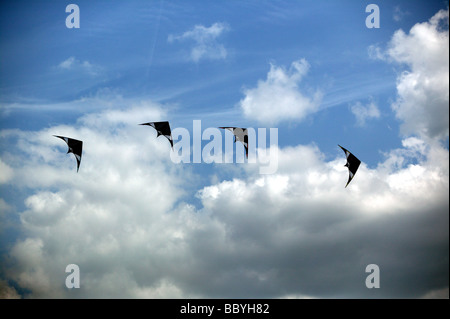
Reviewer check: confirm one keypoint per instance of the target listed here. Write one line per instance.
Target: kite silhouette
(163, 128)
(240, 134)
(75, 147)
(352, 164)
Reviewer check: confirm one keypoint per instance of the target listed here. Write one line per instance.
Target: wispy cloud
(399, 14)
(422, 87)
(206, 44)
(84, 66)
(422, 90)
(364, 112)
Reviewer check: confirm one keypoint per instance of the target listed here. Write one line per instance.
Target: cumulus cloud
(295, 213)
(206, 43)
(278, 98)
(300, 219)
(125, 220)
(364, 112)
(423, 87)
(375, 52)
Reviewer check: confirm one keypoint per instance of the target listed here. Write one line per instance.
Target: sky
(141, 224)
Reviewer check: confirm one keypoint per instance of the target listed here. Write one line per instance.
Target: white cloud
(6, 172)
(423, 88)
(376, 53)
(399, 14)
(119, 203)
(67, 64)
(124, 221)
(363, 113)
(278, 98)
(72, 64)
(206, 44)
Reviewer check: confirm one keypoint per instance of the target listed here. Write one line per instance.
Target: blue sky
(126, 46)
(197, 60)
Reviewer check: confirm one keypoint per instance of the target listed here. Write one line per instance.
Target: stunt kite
(240, 134)
(75, 147)
(352, 164)
(163, 128)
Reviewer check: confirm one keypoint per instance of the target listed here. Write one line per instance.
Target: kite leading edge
(163, 128)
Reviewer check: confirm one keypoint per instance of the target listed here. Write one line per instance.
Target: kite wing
(75, 147)
(240, 134)
(163, 128)
(352, 164)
